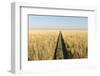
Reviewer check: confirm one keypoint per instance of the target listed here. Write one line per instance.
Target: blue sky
(57, 22)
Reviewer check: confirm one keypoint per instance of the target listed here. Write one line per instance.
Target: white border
(19, 38)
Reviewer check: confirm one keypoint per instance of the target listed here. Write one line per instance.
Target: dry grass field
(42, 43)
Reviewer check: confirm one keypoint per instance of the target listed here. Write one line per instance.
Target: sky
(57, 22)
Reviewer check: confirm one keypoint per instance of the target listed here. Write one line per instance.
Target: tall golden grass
(42, 43)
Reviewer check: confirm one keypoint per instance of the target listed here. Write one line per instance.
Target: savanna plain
(42, 43)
